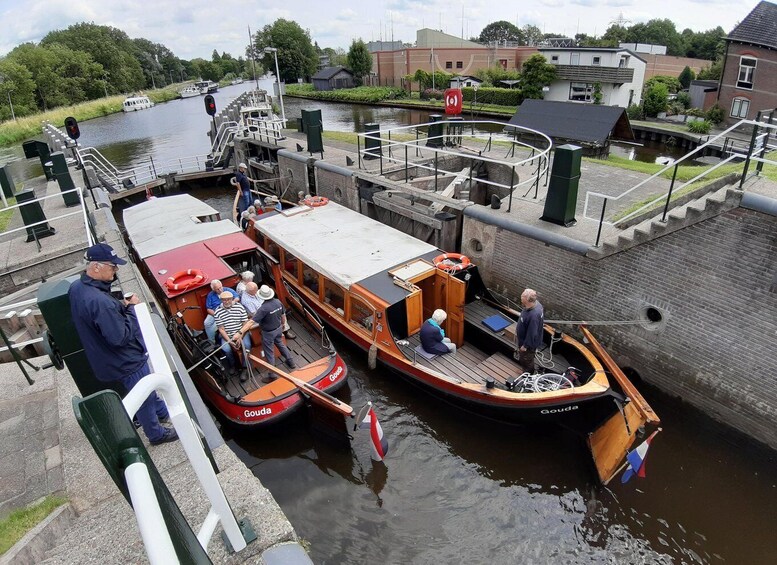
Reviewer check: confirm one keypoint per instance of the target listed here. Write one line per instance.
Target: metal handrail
(270, 129)
(191, 163)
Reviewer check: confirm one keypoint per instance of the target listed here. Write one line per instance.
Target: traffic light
(210, 105)
(71, 126)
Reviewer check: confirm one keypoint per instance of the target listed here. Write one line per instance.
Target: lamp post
(105, 84)
(2, 80)
(274, 51)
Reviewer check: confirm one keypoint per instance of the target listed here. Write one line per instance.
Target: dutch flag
(379, 444)
(636, 459)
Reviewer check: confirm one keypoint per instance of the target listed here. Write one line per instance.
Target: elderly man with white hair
(433, 338)
(213, 301)
(245, 278)
(230, 317)
(528, 337)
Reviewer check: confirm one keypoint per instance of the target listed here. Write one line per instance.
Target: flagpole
(253, 56)
(432, 62)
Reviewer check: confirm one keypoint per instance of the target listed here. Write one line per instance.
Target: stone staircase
(700, 209)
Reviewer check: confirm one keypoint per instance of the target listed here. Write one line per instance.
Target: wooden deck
(477, 311)
(306, 348)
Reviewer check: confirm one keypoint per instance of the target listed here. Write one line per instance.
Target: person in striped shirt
(230, 317)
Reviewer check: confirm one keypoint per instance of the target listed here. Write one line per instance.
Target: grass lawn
(21, 521)
(6, 215)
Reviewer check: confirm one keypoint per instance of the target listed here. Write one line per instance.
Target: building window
(459, 64)
(554, 58)
(597, 61)
(448, 64)
(581, 91)
(740, 107)
(746, 72)
(624, 62)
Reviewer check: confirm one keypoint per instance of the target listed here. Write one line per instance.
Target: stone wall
(713, 283)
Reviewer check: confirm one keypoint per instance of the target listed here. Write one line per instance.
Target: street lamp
(274, 51)
(2, 80)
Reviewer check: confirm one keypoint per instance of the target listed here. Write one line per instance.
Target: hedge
(498, 96)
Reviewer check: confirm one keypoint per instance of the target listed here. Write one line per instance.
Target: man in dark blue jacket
(530, 328)
(244, 186)
(111, 337)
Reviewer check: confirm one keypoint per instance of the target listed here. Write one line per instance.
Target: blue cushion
(496, 323)
(423, 353)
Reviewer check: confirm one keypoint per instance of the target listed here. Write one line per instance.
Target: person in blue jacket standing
(111, 337)
(530, 328)
(433, 338)
(244, 186)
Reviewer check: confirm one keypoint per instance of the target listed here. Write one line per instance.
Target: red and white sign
(453, 101)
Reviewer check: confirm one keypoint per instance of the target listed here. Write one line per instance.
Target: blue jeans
(152, 408)
(227, 349)
(210, 327)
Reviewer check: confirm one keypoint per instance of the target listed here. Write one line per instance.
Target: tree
(658, 32)
(656, 100)
(296, 55)
(672, 84)
(359, 60)
(686, 76)
(501, 31)
(532, 35)
(16, 81)
(616, 34)
(597, 95)
(712, 72)
(537, 72)
(337, 57)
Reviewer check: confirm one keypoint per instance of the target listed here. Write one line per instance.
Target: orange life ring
(445, 262)
(191, 276)
(315, 201)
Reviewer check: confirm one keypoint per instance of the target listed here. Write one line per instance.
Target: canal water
(458, 489)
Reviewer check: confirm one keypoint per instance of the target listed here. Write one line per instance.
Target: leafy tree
(424, 79)
(712, 72)
(686, 76)
(206, 70)
(656, 99)
(672, 84)
(359, 60)
(537, 72)
(492, 75)
(337, 57)
(616, 34)
(296, 55)
(109, 46)
(532, 35)
(704, 45)
(501, 31)
(16, 81)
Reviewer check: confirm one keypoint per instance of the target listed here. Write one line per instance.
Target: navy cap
(104, 253)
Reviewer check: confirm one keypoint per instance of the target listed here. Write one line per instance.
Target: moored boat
(190, 91)
(377, 285)
(137, 102)
(180, 245)
(207, 86)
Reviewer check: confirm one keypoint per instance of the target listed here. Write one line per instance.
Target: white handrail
(151, 523)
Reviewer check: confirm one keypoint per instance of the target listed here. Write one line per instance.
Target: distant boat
(238, 80)
(137, 102)
(189, 91)
(207, 86)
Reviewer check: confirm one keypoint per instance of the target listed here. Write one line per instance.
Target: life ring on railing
(315, 201)
(184, 279)
(451, 262)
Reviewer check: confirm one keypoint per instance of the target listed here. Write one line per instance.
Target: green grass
(6, 215)
(660, 125)
(21, 521)
(30, 126)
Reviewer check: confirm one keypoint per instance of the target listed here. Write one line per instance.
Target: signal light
(71, 127)
(210, 105)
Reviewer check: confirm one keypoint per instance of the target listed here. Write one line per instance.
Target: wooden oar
(318, 396)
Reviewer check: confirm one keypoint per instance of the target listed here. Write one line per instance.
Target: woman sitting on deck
(433, 338)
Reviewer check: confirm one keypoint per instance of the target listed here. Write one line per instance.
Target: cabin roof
(162, 224)
(341, 244)
(193, 256)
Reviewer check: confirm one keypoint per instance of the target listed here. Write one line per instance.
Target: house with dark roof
(591, 126)
(748, 82)
(332, 78)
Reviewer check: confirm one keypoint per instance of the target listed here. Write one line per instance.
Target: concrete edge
(333, 168)
(300, 157)
(759, 203)
(33, 546)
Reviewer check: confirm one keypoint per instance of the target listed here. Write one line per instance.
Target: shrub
(496, 96)
(684, 98)
(696, 112)
(359, 94)
(634, 112)
(432, 94)
(715, 115)
(656, 99)
(699, 127)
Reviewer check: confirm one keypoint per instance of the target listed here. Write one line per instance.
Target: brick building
(748, 83)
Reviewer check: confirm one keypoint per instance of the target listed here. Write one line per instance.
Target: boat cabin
(134, 103)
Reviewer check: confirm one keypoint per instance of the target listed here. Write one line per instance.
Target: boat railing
(31, 228)
(224, 134)
(153, 530)
(264, 130)
(763, 132)
(523, 154)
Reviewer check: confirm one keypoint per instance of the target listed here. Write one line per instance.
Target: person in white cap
(230, 317)
(244, 187)
(271, 318)
(272, 203)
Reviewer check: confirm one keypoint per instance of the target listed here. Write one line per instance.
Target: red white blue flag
(378, 443)
(636, 459)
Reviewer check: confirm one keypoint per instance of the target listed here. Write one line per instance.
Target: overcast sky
(193, 28)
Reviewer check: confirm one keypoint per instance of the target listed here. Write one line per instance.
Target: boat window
(334, 296)
(290, 263)
(310, 279)
(361, 313)
(272, 248)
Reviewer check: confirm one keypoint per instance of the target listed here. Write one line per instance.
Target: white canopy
(162, 224)
(343, 245)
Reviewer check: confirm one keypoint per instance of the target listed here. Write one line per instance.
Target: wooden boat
(377, 285)
(182, 239)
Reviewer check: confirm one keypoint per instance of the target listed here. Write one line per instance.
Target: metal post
(512, 181)
(406, 167)
(15, 355)
(381, 161)
(435, 171)
(601, 221)
(760, 165)
(416, 141)
(153, 168)
(359, 149)
(750, 150)
(669, 195)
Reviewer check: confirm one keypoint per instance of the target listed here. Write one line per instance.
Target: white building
(620, 72)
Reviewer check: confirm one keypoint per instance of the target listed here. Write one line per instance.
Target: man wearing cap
(111, 337)
(230, 317)
(271, 318)
(244, 187)
(212, 301)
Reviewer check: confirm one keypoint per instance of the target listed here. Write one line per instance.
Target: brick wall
(763, 95)
(714, 284)
(669, 65)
